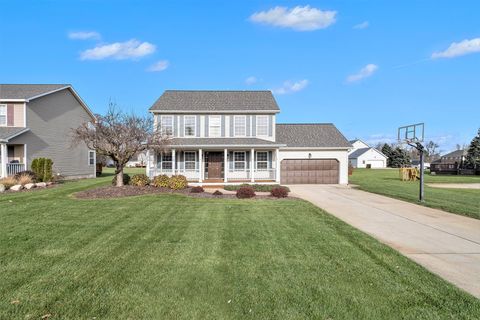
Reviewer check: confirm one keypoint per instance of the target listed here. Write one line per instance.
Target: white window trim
(267, 161)
(210, 126)
(244, 161)
(194, 126)
(185, 162)
(267, 125)
(6, 115)
(235, 126)
(89, 153)
(162, 161)
(173, 124)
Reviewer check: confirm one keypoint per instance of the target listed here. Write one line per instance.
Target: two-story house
(36, 120)
(231, 137)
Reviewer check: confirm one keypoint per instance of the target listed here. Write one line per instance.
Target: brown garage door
(309, 171)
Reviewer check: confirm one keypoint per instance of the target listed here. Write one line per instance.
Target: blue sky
(367, 66)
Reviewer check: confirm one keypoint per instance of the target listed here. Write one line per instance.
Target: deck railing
(14, 168)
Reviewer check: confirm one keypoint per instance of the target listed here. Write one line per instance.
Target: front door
(214, 161)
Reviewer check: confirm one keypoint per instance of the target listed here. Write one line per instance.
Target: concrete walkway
(455, 185)
(444, 243)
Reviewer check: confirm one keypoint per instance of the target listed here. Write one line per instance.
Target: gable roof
(357, 153)
(7, 133)
(27, 91)
(215, 101)
(359, 140)
(313, 135)
(456, 154)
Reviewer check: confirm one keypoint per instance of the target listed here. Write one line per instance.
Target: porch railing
(265, 174)
(190, 174)
(14, 168)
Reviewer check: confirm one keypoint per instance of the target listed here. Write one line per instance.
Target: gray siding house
(232, 137)
(36, 120)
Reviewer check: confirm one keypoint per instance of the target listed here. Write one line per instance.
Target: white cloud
(251, 80)
(131, 49)
(291, 87)
(159, 66)
(84, 35)
(363, 25)
(298, 18)
(457, 49)
(365, 72)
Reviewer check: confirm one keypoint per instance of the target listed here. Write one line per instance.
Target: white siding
(372, 157)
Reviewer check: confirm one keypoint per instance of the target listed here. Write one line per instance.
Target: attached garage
(309, 171)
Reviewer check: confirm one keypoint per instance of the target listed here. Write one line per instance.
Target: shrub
(126, 179)
(140, 180)
(279, 192)
(8, 182)
(245, 192)
(177, 182)
(196, 190)
(42, 168)
(161, 181)
(217, 193)
(24, 179)
(29, 173)
(256, 187)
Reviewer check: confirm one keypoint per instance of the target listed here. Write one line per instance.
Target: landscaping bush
(29, 173)
(177, 182)
(161, 181)
(245, 192)
(217, 193)
(126, 179)
(42, 167)
(24, 179)
(196, 190)
(279, 192)
(256, 187)
(8, 182)
(140, 180)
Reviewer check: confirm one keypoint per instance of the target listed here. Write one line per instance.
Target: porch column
(252, 162)
(277, 166)
(200, 165)
(3, 160)
(173, 161)
(225, 164)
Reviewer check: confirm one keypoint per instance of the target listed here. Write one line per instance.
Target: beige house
(36, 120)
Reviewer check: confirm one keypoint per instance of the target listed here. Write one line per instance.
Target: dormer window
(262, 125)
(240, 126)
(3, 115)
(190, 126)
(166, 125)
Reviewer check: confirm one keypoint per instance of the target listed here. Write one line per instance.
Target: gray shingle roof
(7, 132)
(456, 154)
(26, 91)
(221, 142)
(315, 135)
(357, 153)
(184, 100)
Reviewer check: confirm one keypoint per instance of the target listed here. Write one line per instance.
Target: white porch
(12, 159)
(209, 166)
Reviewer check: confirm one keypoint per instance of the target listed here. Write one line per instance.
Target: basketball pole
(421, 150)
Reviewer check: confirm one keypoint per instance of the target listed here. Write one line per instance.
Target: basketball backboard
(411, 133)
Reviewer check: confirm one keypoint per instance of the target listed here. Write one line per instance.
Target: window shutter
(10, 115)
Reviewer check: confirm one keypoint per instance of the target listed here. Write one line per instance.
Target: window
(214, 126)
(190, 126)
(262, 160)
(167, 161)
(190, 160)
(91, 158)
(3, 115)
(239, 162)
(240, 126)
(262, 125)
(166, 125)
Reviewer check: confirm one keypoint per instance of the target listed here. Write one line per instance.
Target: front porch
(12, 159)
(227, 166)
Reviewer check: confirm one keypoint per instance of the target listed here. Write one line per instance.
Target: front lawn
(387, 182)
(176, 257)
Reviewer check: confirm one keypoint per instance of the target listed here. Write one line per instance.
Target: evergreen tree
(399, 158)
(387, 150)
(473, 152)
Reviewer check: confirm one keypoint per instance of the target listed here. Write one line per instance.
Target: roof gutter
(214, 111)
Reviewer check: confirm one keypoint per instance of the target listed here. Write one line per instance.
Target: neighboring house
(363, 155)
(231, 137)
(138, 160)
(416, 164)
(36, 120)
(449, 163)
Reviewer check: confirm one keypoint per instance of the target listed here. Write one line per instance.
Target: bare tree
(119, 136)
(431, 150)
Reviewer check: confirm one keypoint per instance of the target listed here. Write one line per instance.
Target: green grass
(176, 257)
(256, 187)
(386, 181)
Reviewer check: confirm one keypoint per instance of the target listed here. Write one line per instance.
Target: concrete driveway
(444, 243)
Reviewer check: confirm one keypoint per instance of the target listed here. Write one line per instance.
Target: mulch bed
(128, 191)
